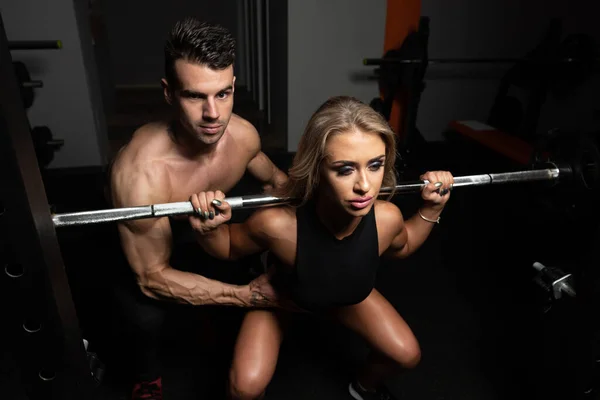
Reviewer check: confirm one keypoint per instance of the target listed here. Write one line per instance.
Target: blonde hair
(337, 115)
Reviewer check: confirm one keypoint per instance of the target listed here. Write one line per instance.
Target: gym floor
(484, 327)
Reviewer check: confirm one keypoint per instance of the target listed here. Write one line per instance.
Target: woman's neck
(336, 221)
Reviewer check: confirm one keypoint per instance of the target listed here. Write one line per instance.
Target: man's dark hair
(199, 42)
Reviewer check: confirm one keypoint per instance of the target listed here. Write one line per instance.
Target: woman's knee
(412, 356)
(248, 383)
(404, 354)
(408, 355)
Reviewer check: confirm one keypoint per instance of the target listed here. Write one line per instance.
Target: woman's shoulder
(273, 220)
(387, 209)
(388, 215)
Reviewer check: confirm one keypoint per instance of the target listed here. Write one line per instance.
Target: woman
(327, 246)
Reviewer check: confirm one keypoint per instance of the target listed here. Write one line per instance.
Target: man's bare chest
(220, 174)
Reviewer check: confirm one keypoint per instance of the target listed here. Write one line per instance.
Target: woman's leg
(394, 346)
(255, 354)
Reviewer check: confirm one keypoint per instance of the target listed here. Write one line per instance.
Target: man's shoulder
(242, 131)
(241, 125)
(140, 164)
(147, 143)
(150, 134)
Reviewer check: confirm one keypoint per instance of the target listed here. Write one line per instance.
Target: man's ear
(166, 91)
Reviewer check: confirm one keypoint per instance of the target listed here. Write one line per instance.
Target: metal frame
(48, 347)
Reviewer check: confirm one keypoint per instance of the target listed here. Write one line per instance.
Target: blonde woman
(326, 247)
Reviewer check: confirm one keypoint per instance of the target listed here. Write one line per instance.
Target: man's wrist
(242, 295)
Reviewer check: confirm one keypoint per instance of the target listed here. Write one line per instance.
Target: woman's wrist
(431, 212)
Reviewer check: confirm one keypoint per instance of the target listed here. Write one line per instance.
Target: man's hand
(263, 294)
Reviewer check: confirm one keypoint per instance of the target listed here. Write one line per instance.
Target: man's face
(202, 99)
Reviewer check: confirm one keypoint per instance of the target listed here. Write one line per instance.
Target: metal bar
(44, 333)
(261, 200)
(391, 60)
(34, 44)
(32, 84)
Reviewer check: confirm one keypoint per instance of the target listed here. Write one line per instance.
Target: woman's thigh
(256, 351)
(379, 323)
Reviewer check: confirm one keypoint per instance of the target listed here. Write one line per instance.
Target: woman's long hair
(337, 115)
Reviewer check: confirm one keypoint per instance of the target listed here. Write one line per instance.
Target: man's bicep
(146, 244)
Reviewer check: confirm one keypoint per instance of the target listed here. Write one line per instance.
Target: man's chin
(207, 138)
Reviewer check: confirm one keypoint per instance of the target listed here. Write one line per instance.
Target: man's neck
(187, 145)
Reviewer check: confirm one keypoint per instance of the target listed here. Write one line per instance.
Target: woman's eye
(376, 166)
(345, 171)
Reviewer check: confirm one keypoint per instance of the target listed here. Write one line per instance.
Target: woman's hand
(437, 191)
(211, 211)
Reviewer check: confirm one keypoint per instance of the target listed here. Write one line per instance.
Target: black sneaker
(359, 394)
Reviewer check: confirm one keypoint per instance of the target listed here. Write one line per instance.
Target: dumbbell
(554, 281)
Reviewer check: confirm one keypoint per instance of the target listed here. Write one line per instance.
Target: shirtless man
(204, 147)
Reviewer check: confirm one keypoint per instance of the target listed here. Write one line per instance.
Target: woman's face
(352, 171)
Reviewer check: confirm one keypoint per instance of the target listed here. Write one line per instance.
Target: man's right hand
(212, 210)
(262, 294)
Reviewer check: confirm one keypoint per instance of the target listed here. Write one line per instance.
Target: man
(204, 147)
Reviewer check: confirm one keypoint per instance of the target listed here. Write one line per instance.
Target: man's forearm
(183, 287)
(279, 178)
(276, 181)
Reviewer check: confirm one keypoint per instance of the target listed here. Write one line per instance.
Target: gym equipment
(403, 85)
(27, 85)
(46, 358)
(45, 145)
(254, 201)
(35, 45)
(391, 60)
(551, 67)
(554, 281)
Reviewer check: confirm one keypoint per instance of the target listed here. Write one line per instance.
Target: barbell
(554, 173)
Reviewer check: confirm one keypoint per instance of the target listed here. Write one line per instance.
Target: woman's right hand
(211, 211)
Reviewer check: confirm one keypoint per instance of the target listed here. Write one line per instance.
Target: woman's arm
(233, 241)
(408, 236)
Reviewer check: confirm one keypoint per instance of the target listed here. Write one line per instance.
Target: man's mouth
(211, 129)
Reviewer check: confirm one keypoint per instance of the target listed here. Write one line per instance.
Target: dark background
(487, 331)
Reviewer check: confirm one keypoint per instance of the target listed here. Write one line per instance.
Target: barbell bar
(262, 200)
(34, 44)
(398, 60)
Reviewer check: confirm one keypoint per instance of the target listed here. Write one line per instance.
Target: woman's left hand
(438, 189)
